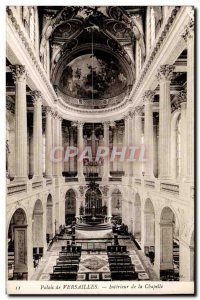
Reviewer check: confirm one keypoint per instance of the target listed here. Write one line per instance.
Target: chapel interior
(90, 77)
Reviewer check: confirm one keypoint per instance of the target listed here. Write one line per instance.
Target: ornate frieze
(189, 30)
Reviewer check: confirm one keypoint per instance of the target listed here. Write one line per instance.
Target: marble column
(54, 142)
(37, 135)
(78, 203)
(189, 38)
(57, 143)
(155, 148)
(80, 149)
(109, 208)
(137, 165)
(133, 143)
(115, 145)
(148, 132)
(49, 142)
(125, 144)
(137, 207)
(106, 164)
(60, 143)
(156, 266)
(19, 76)
(149, 229)
(66, 145)
(130, 142)
(71, 144)
(183, 135)
(164, 76)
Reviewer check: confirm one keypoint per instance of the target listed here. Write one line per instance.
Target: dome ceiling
(96, 75)
(90, 66)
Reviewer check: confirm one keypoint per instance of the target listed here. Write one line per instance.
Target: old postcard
(100, 150)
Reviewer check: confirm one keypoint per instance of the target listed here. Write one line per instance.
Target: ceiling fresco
(93, 76)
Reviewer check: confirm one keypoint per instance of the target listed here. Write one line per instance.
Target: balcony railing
(16, 188)
(115, 179)
(171, 188)
(138, 181)
(71, 179)
(37, 184)
(149, 183)
(49, 181)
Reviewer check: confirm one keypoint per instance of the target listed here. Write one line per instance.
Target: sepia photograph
(100, 150)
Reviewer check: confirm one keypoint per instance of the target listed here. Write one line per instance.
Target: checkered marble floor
(95, 262)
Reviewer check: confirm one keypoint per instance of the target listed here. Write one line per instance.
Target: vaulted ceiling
(88, 53)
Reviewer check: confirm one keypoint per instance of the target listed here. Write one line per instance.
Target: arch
(49, 218)
(176, 217)
(149, 229)
(70, 206)
(137, 219)
(169, 245)
(116, 204)
(114, 188)
(74, 190)
(167, 215)
(17, 239)
(137, 199)
(93, 197)
(38, 206)
(49, 200)
(148, 207)
(174, 122)
(37, 228)
(23, 208)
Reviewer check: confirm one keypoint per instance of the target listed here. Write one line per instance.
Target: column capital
(48, 110)
(80, 124)
(148, 96)
(36, 97)
(74, 124)
(181, 97)
(19, 73)
(189, 30)
(106, 124)
(125, 117)
(54, 114)
(60, 118)
(105, 190)
(139, 110)
(165, 72)
(131, 113)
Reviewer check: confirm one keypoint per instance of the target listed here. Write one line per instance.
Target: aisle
(94, 265)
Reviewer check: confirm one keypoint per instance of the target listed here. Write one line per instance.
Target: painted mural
(93, 76)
